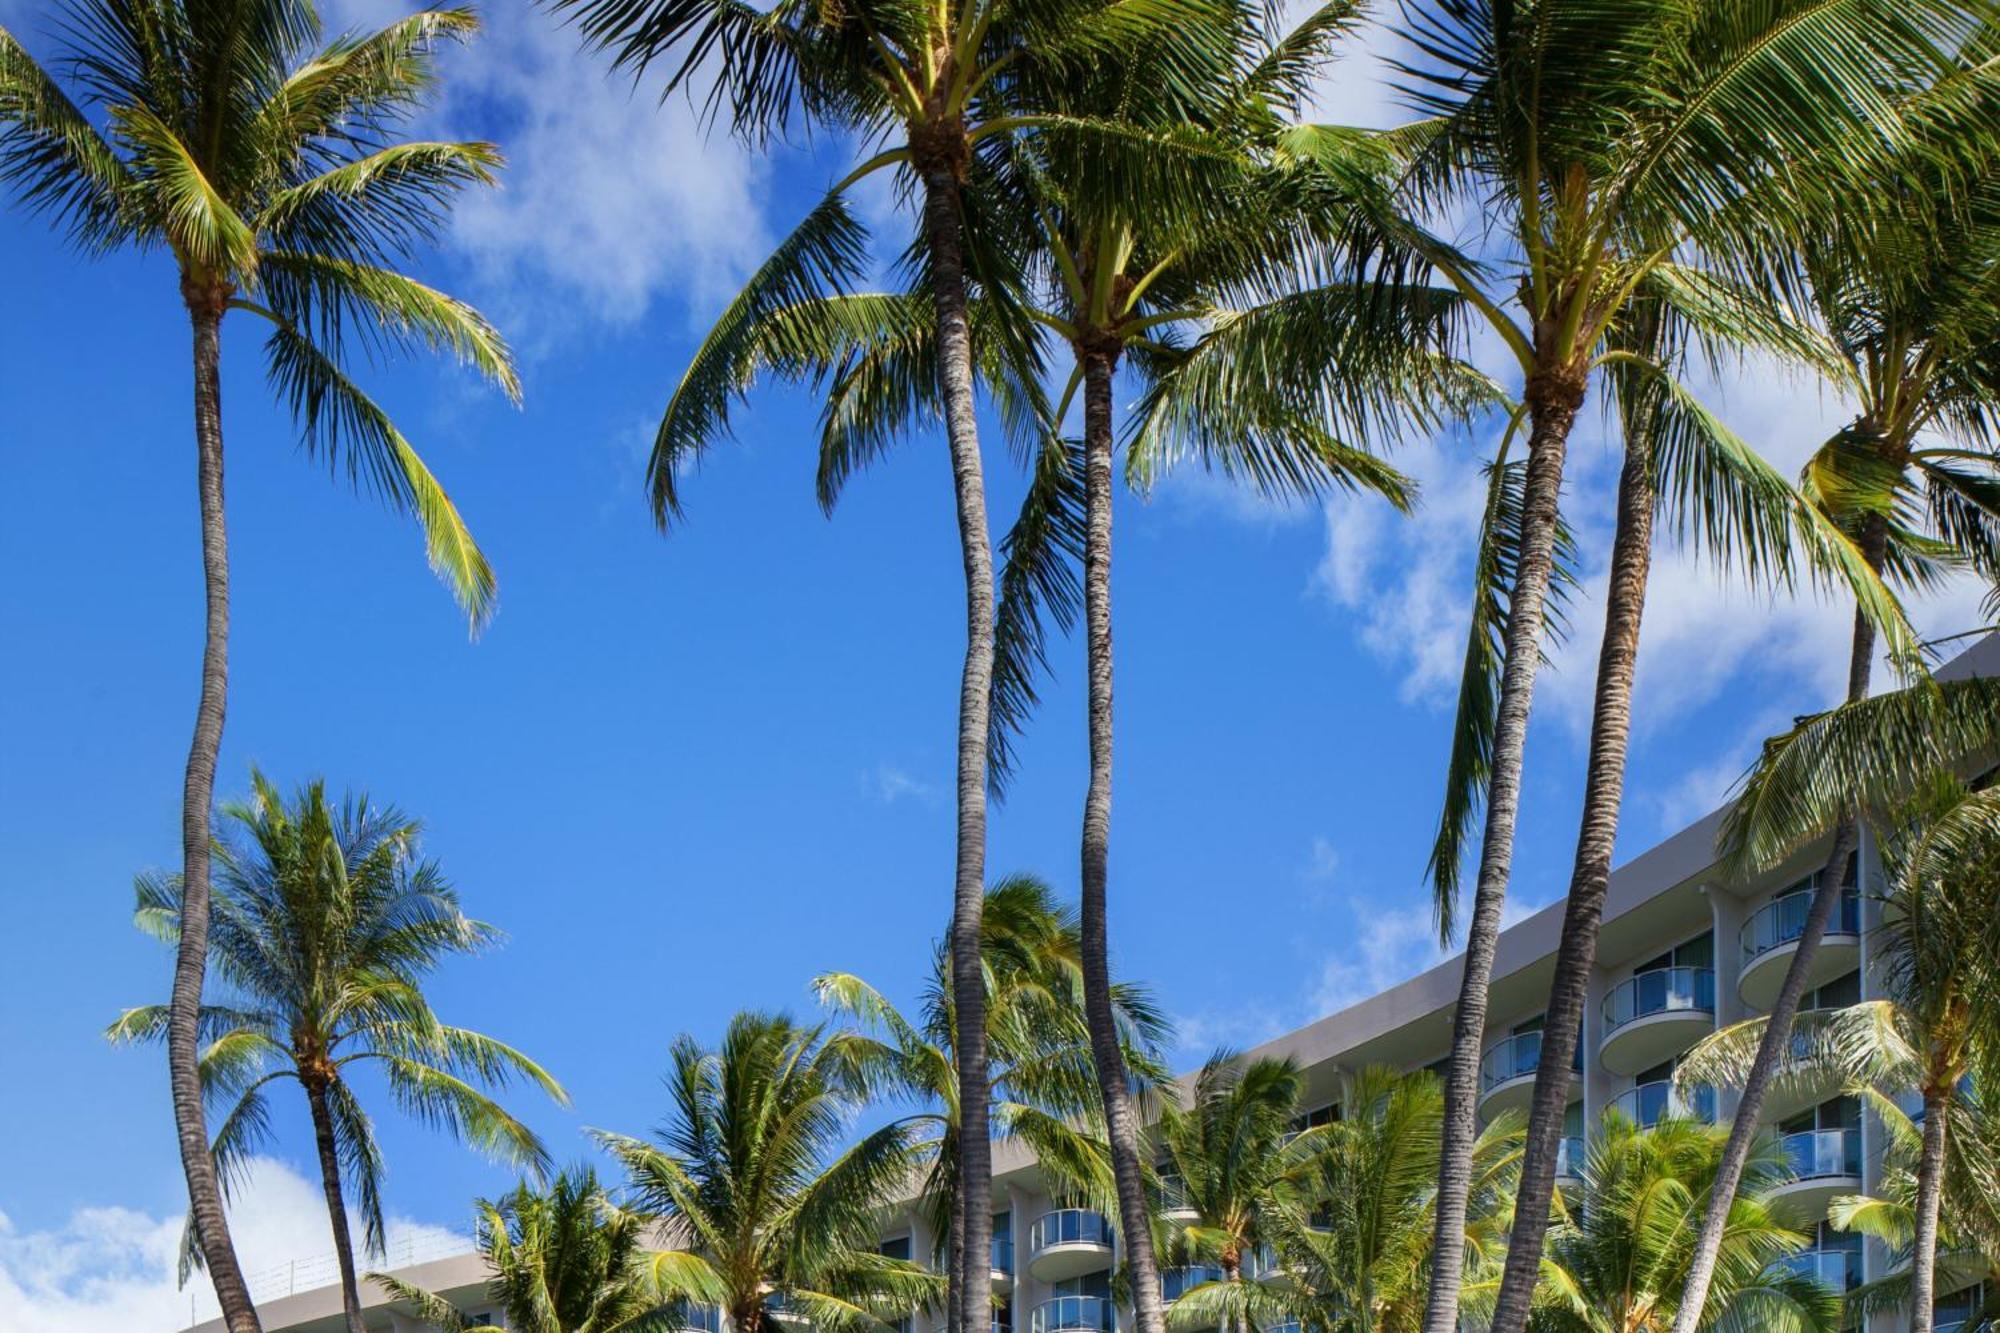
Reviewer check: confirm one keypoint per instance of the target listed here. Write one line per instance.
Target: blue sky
(686, 773)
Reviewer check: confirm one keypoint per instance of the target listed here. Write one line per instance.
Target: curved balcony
(1068, 1242)
(696, 1317)
(1174, 1198)
(1177, 1282)
(1507, 1074)
(1073, 1314)
(1823, 1163)
(1569, 1162)
(1649, 1103)
(1771, 936)
(1836, 1270)
(778, 1306)
(1655, 1016)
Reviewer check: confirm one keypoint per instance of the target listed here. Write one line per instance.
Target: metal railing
(1647, 1104)
(312, 1272)
(1821, 1154)
(1069, 1226)
(1667, 990)
(696, 1317)
(1783, 920)
(1837, 1270)
(1516, 1057)
(1178, 1282)
(1073, 1314)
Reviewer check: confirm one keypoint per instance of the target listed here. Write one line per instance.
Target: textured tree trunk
(1553, 400)
(954, 1250)
(211, 1225)
(336, 1206)
(1778, 1027)
(941, 223)
(1604, 793)
(1232, 1273)
(1120, 1118)
(1930, 1188)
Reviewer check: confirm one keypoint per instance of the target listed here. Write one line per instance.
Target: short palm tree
(326, 923)
(1937, 952)
(1619, 1264)
(269, 166)
(1043, 1089)
(1611, 149)
(565, 1259)
(765, 1206)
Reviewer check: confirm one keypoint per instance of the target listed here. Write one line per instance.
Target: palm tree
(1619, 1264)
(1345, 1229)
(767, 1211)
(269, 167)
(1043, 1091)
(325, 924)
(1607, 148)
(931, 81)
(1899, 274)
(565, 1259)
(1937, 948)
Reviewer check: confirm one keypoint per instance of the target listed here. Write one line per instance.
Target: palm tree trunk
(956, 1275)
(1930, 1188)
(1553, 399)
(1121, 1120)
(941, 222)
(336, 1207)
(211, 1224)
(1604, 793)
(1778, 1027)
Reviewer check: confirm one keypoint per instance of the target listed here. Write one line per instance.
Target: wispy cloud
(890, 784)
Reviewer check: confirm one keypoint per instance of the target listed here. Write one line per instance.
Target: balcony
(1569, 1162)
(1068, 1242)
(1073, 1314)
(1174, 1203)
(778, 1306)
(1654, 1016)
(1649, 1103)
(1771, 936)
(1177, 1282)
(1507, 1074)
(1836, 1270)
(1823, 1163)
(696, 1317)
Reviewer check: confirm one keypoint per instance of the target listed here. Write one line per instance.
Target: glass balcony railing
(1823, 1154)
(1519, 1055)
(1668, 990)
(696, 1317)
(1783, 920)
(1173, 1194)
(1569, 1158)
(1649, 1103)
(1178, 1282)
(1069, 1226)
(1260, 1262)
(1836, 1270)
(1003, 1254)
(1073, 1314)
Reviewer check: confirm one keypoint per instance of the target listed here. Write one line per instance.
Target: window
(1528, 1025)
(1839, 993)
(895, 1248)
(1319, 1115)
(1697, 952)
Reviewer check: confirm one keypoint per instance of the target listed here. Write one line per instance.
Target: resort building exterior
(1683, 950)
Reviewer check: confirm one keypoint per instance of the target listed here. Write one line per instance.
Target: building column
(1599, 1084)
(1727, 913)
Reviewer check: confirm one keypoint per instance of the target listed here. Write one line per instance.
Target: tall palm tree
(1619, 1264)
(1043, 1090)
(1899, 275)
(1937, 952)
(930, 81)
(1347, 1230)
(1605, 146)
(325, 924)
(565, 1259)
(766, 1208)
(270, 167)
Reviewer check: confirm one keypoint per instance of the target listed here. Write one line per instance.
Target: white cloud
(1323, 864)
(110, 1267)
(891, 784)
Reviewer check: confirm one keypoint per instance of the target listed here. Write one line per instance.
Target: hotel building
(1683, 950)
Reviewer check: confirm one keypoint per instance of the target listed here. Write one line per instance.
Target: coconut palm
(1937, 948)
(932, 82)
(1346, 1228)
(1043, 1090)
(1611, 149)
(1898, 274)
(565, 1259)
(1619, 1264)
(766, 1208)
(326, 923)
(269, 166)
